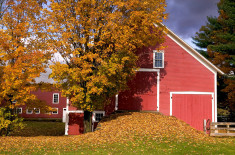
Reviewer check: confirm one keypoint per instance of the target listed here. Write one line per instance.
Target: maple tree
(97, 40)
(22, 51)
(217, 42)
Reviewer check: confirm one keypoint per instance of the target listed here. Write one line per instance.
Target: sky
(187, 16)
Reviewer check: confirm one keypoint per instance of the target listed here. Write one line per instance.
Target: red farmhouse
(176, 81)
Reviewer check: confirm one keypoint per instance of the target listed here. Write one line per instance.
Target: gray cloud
(187, 16)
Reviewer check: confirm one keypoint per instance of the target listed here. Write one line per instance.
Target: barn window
(158, 59)
(98, 115)
(54, 110)
(36, 110)
(29, 111)
(56, 98)
(19, 110)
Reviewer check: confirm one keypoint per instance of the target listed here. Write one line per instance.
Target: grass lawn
(131, 133)
(40, 128)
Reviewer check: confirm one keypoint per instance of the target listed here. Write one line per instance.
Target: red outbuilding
(176, 81)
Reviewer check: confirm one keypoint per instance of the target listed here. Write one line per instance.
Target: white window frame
(58, 98)
(154, 53)
(20, 110)
(38, 110)
(57, 111)
(97, 112)
(27, 111)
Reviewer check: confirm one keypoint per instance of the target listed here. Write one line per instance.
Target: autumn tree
(22, 56)
(217, 42)
(97, 40)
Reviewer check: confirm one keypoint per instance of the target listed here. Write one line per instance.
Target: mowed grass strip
(127, 133)
(40, 128)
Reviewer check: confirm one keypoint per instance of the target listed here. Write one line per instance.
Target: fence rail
(222, 129)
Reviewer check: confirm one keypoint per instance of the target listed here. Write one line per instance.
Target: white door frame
(64, 115)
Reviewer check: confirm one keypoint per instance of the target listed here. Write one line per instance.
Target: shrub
(9, 121)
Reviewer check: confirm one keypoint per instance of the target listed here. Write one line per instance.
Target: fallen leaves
(125, 129)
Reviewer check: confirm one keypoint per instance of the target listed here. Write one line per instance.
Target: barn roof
(191, 50)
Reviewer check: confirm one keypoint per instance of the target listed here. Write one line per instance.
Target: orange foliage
(22, 56)
(97, 41)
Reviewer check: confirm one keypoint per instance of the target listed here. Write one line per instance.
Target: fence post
(204, 125)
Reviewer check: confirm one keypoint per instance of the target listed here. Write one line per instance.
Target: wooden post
(227, 128)
(204, 125)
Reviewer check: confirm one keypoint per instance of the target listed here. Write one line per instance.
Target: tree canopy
(217, 41)
(22, 50)
(97, 41)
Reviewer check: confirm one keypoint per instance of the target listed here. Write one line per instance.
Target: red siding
(76, 126)
(48, 97)
(142, 94)
(182, 72)
(192, 109)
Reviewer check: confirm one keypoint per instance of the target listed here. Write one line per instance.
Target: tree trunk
(87, 121)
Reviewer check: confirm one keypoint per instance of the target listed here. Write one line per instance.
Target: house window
(158, 59)
(54, 110)
(36, 110)
(98, 115)
(56, 98)
(29, 111)
(19, 110)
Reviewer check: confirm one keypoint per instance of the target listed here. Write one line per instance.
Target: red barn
(52, 99)
(176, 81)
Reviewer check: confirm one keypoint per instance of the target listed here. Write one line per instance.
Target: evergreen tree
(217, 42)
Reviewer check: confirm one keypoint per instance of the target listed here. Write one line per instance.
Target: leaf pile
(122, 129)
(126, 126)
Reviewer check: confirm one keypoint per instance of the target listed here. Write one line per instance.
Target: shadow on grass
(40, 128)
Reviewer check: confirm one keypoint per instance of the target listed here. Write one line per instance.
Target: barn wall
(182, 72)
(48, 98)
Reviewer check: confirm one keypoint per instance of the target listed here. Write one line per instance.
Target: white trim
(191, 51)
(57, 111)
(116, 102)
(64, 113)
(38, 110)
(58, 98)
(75, 111)
(154, 54)
(20, 110)
(215, 80)
(67, 117)
(147, 70)
(158, 82)
(96, 112)
(193, 92)
(27, 111)
(158, 90)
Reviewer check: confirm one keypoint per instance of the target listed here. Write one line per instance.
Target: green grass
(40, 128)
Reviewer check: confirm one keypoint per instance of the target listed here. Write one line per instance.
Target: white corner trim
(116, 102)
(158, 90)
(215, 80)
(194, 92)
(67, 117)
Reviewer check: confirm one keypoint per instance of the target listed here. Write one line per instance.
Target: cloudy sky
(187, 16)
